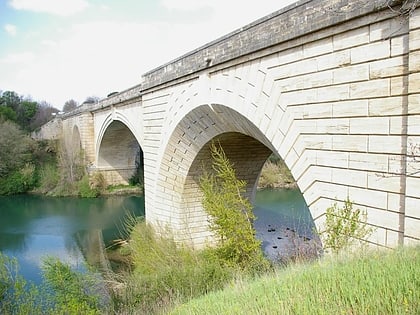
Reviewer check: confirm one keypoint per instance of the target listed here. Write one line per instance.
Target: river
(76, 230)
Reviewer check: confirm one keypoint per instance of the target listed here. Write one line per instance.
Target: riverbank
(377, 282)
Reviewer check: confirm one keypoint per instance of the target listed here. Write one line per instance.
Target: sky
(57, 50)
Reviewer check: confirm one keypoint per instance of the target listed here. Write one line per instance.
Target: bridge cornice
(298, 19)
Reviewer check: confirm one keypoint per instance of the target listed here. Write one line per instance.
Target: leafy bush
(85, 190)
(63, 291)
(16, 296)
(166, 272)
(231, 214)
(98, 182)
(48, 178)
(70, 292)
(344, 226)
(19, 181)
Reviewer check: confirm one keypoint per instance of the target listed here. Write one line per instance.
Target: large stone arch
(178, 201)
(117, 151)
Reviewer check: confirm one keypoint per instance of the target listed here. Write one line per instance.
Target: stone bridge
(332, 87)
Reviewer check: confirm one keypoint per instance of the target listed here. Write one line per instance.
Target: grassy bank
(375, 283)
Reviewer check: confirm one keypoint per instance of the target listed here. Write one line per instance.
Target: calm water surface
(32, 227)
(75, 229)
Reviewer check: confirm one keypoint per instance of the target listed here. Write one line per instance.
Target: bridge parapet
(301, 18)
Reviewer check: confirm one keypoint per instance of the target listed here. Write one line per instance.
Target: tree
(17, 172)
(7, 113)
(11, 99)
(231, 216)
(70, 105)
(91, 100)
(25, 112)
(43, 115)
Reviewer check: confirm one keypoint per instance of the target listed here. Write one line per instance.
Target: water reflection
(284, 224)
(78, 230)
(73, 229)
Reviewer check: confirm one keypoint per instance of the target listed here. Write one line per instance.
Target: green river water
(76, 230)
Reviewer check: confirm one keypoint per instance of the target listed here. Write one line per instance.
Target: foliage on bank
(63, 290)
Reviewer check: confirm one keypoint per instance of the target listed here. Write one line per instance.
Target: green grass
(376, 283)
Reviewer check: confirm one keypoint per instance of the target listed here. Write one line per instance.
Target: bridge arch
(118, 151)
(188, 153)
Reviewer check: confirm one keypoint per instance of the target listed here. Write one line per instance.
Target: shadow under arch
(119, 154)
(188, 154)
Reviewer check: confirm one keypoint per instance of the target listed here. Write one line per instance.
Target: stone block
(389, 67)
(414, 61)
(368, 197)
(370, 52)
(399, 45)
(369, 125)
(332, 159)
(412, 207)
(386, 144)
(412, 227)
(414, 103)
(314, 174)
(351, 74)
(395, 202)
(351, 38)
(414, 85)
(388, 28)
(392, 238)
(356, 178)
(383, 218)
(333, 126)
(384, 182)
(413, 125)
(370, 89)
(414, 20)
(334, 60)
(413, 187)
(319, 47)
(351, 143)
(350, 108)
(414, 39)
(386, 106)
(399, 85)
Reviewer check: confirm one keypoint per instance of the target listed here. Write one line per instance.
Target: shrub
(344, 226)
(85, 190)
(48, 177)
(231, 216)
(97, 181)
(19, 181)
(166, 273)
(69, 291)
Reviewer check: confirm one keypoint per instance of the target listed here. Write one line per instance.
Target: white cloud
(56, 7)
(99, 57)
(186, 5)
(10, 29)
(18, 58)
